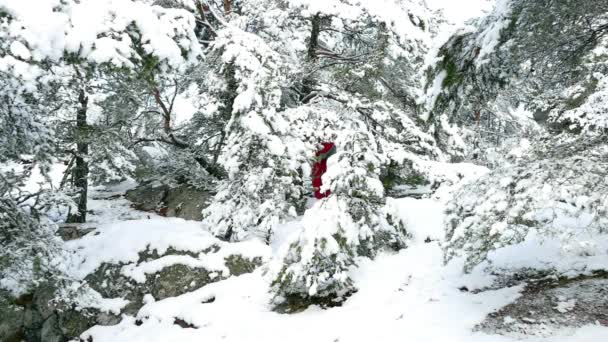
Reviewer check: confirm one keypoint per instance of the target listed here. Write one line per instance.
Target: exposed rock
(72, 323)
(11, 324)
(50, 331)
(547, 305)
(238, 265)
(171, 281)
(147, 197)
(34, 317)
(71, 231)
(182, 201)
(296, 303)
(183, 324)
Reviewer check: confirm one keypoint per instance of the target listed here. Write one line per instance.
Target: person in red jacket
(320, 167)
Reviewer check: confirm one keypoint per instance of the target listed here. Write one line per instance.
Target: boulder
(11, 324)
(35, 317)
(182, 201)
(173, 280)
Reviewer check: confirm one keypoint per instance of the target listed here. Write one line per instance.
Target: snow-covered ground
(408, 296)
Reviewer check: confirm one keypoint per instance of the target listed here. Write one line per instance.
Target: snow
(185, 105)
(489, 39)
(20, 50)
(411, 211)
(88, 298)
(36, 181)
(520, 150)
(432, 93)
(414, 302)
(407, 295)
(98, 30)
(581, 254)
(564, 306)
(121, 242)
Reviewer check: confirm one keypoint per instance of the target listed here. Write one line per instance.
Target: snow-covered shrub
(355, 220)
(557, 192)
(587, 108)
(28, 249)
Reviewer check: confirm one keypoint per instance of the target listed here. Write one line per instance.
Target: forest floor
(405, 296)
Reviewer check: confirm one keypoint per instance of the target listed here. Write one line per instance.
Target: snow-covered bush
(583, 107)
(29, 249)
(557, 192)
(355, 220)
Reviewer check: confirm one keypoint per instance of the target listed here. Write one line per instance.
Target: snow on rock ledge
(161, 257)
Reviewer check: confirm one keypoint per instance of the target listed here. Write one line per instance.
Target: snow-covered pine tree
(555, 190)
(58, 36)
(523, 55)
(263, 183)
(357, 219)
(27, 246)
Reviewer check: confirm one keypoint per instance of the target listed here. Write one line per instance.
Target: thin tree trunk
(308, 83)
(81, 170)
(166, 111)
(227, 7)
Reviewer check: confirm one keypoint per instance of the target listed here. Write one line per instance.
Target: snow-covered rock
(552, 304)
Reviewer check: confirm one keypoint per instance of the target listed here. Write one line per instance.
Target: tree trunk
(227, 7)
(313, 44)
(163, 107)
(81, 170)
(309, 82)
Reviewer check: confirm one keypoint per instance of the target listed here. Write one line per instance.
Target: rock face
(171, 281)
(33, 318)
(182, 201)
(12, 321)
(547, 305)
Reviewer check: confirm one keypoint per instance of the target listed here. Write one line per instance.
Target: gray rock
(12, 317)
(187, 203)
(31, 318)
(42, 300)
(147, 197)
(171, 281)
(72, 323)
(72, 231)
(546, 305)
(182, 201)
(50, 331)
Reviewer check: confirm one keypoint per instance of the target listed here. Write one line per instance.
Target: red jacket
(320, 167)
